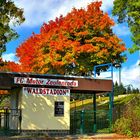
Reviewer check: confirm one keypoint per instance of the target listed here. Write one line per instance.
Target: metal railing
(82, 121)
(10, 121)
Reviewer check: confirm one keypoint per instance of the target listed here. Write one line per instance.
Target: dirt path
(100, 137)
(111, 137)
(74, 137)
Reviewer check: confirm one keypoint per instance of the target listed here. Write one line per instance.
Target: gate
(84, 121)
(10, 121)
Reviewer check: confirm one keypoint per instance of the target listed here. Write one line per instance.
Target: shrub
(129, 123)
(122, 126)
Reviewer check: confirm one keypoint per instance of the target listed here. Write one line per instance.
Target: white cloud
(36, 12)
(9, 57)
(107, 4)
(129, 75)
(121, 30)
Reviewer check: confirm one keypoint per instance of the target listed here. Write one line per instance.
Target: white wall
(38, 112)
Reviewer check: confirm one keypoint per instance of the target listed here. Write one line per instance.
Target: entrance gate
(83, 121)
(10, 121)
(95, 120)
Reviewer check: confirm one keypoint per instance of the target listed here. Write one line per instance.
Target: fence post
(110, 109)
(94, 109)
(0, 121)
(82, 122)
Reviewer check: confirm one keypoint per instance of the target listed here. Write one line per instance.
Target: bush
(123, 126)
(129, 123)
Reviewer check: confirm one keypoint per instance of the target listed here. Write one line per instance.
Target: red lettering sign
(49, 82)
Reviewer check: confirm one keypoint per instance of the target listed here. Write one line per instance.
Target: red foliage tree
(83, 38)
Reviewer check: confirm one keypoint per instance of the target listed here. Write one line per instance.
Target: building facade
(41, 103)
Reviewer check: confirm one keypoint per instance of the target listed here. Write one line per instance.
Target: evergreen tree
(135, 90)
(122, 89)
(128, 90)
(116, 89)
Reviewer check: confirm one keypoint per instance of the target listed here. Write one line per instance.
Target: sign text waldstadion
(49, 82)
(46, 91)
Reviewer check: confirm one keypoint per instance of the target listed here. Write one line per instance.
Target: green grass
(102, 114)
(102, 103)
(105, 130)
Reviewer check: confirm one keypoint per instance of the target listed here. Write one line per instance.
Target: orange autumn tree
(9, 66)
(6, 67)
(73, 44)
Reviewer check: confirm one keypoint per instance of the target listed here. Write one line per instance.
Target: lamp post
(118, 65)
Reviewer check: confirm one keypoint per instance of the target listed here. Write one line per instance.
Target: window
(59, 108)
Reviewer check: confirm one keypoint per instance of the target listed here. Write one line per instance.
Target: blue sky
(36, 12)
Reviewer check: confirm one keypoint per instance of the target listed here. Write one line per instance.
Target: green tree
(129, 90)
(135, 90)
(116, 88)
(129, 11)
(122, 89)
(9, 13)
(119, 89)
